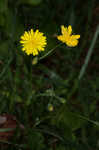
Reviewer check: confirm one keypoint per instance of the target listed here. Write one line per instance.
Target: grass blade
(83, 69)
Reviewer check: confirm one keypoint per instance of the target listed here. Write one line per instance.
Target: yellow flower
(67, 38)
(33, 42)
(50, 107)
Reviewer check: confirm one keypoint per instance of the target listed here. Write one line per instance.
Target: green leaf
(70, 120)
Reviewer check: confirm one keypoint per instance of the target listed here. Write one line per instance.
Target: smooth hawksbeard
(33, 42)
(67, 37)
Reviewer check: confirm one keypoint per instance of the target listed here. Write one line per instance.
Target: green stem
(49, 52)
(6, 129)
(49, 132)
(87, 119)
(76, 83)
(83, 69)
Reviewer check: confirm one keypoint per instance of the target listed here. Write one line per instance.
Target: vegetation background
(54, 104)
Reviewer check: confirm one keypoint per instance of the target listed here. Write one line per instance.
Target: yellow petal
(72, 43)
(26, 35)
(61, 38)
(21, 41)
(63, 30)
(32, 32)
(35, 52)
(75, 37)
(23, 49)
(22, 37)
(33, 42)
(69, 30)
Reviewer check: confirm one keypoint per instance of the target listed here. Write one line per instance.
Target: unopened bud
(50, 107)
(35, 61)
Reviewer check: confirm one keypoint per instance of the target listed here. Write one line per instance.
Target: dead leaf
(3, 119)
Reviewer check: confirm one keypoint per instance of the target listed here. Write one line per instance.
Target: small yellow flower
(67, 38)
(50, 107)
(33, 42)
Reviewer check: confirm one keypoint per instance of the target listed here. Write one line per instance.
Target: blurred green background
(53, 110)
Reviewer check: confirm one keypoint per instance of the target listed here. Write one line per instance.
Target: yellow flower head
(67, 38)
(50, 107)
(33, 42)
